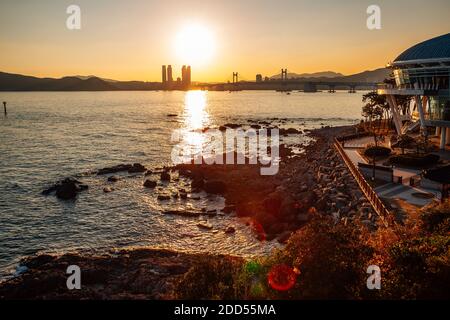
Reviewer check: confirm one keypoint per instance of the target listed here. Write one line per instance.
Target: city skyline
(167, 77)
(131, 42)
(261, 152)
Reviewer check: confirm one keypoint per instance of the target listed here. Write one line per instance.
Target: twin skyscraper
(167, 77)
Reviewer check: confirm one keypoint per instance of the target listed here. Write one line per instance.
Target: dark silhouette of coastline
(17, 82)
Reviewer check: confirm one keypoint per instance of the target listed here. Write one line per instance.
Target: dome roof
(436, 48)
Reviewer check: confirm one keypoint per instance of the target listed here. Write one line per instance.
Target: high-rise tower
(183, 75)
(169, 74)
(164, 74)
(188, 75)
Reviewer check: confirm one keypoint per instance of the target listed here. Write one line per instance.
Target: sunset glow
(194, 45)
(267, 153)
(217, 38)
(196, 117)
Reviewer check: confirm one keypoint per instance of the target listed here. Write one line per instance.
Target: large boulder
(118, 168)
(113, 179)
(108, 189)
(197, 182)
(165, 176)
(273, 202)
(150, 184)
(163, 197)
(215, 187)
(308, 198)
(266, 220)
(66, 189)
(137, 168)
(131, 168)
(289, 208)
(230, 230)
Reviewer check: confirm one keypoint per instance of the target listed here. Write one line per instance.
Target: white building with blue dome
(423, 71)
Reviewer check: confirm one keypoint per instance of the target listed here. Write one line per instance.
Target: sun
(194, 45)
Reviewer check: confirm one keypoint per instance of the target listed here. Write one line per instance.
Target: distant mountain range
(17, 82)
(91, 76)
(377, 75)
(323, 74)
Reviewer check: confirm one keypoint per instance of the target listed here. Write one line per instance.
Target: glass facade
(434, 81)
(431, 78)
(439, 109)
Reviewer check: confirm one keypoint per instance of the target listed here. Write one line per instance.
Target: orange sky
(130, 40)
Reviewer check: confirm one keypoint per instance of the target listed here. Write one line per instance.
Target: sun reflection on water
(196, 117)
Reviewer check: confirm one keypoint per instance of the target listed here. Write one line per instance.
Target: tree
(374, 107)
(422, 143)
(405, 142)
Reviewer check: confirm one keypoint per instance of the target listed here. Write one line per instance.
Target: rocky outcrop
(127, 274)
(130, 168)
(230, 230)
(285, 132)
(314, 182)
(165, 176)
(66, 189)
(215, 187)
(150, 184)
(163, 197)
(113, 179)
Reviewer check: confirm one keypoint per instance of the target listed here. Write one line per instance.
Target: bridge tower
(235, 77)
(283, 74)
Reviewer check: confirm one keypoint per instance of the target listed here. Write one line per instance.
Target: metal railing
(365, 187)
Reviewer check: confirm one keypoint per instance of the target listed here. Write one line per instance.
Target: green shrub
(414, 159)
(373, 151)
(437, 219)
(419, 269)
(211, 277)
(332, 261)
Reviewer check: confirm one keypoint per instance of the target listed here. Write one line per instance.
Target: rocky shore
(316, 181)
(126, 274)
(310, 183)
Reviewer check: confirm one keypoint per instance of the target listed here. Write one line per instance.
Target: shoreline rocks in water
(215, 187)
(113, 179)
(130, 168)
(127, 274)
(165, 176)
(314, 182)
(66, 189)
(150, 184)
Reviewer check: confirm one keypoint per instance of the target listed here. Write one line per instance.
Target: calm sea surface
(51, 135)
